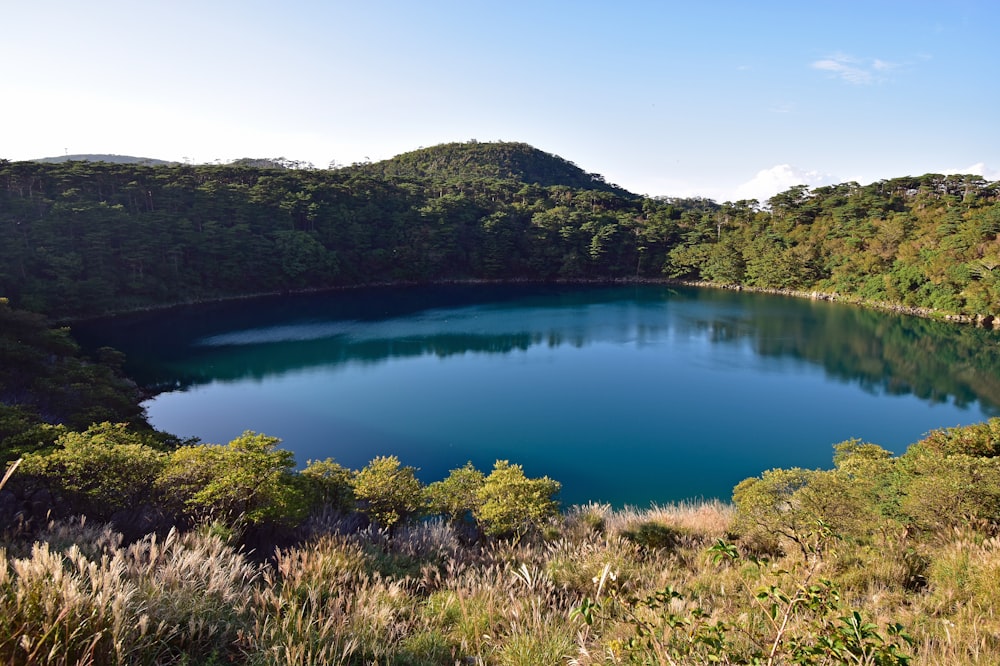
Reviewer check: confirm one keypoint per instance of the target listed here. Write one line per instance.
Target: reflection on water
(879, 352)
(625, 394)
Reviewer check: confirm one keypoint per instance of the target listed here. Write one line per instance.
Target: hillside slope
(500, 160)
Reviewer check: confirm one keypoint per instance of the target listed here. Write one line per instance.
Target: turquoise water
(628, 395)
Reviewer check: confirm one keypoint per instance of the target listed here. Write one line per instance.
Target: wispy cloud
(856, 71)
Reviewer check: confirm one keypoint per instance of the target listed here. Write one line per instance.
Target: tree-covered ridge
(931, 242)
(474, 160)
(90, 238)
(84, 238)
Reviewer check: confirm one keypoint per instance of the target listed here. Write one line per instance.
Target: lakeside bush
(113, 472)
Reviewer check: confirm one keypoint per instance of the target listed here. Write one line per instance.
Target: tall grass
(151, 602)
(78, 595)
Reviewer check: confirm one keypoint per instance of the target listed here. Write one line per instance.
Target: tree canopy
(90, 238)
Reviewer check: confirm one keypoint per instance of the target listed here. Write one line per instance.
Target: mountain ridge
(104, 157)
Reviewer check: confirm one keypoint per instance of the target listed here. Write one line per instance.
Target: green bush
(22, 431)
(947, 491)
(652, 534)
(510, 504)
(247, 481)
(329, 484)
(981, 440)
(456, 496)
(951, 476)
(784, 504)
(388, 493)
(106, 468)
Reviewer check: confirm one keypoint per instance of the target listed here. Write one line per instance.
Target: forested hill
(87, 238)
(494, 161)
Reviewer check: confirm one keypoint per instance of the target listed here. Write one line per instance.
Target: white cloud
(857, 71)
(779, 178)
(979, 169)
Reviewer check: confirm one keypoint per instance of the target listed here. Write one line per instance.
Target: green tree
(951, 476)
(329, 484)
(245, 482)
(456, 497)
(510, 504)
(787, 505)
(724, 263)
(389, 493)
(104, 469)
(302, 256)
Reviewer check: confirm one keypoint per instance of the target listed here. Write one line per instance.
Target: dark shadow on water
(881, 353)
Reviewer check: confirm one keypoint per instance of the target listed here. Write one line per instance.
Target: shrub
(388, 493)
(950, 476)
(946, 491)
(652, 534)
(247, 481)
(456, 496)
(874, 475)
(981, 440)
(789, 503)
(329, 484)
(22, 431)
(101, 470)
(767, 507)
(510, 504)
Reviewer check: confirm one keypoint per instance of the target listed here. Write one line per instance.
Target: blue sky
(726, 100)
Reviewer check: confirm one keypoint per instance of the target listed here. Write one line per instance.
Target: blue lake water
(628, 395)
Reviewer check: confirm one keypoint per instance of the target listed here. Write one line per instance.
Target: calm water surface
(628, 395)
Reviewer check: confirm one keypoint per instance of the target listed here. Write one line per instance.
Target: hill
(86, 238)
(110, 159)
(492, 160)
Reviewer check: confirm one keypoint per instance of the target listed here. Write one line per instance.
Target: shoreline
(989, 322)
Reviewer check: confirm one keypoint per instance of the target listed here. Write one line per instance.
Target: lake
(625, 394)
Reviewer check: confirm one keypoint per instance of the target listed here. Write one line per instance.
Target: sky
(724, 100)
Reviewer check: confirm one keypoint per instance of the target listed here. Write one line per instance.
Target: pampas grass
(77, 594)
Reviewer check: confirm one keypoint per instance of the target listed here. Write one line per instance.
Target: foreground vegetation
(879, 560)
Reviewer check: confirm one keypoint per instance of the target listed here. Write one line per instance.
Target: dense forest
(231, 553)
(86, 238)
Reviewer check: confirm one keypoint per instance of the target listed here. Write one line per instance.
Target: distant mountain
(271, 163)
(500, 160)
(111, 159)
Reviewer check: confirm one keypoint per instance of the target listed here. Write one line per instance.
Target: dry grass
(101, 603)
(704, 520)
(78, 595)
